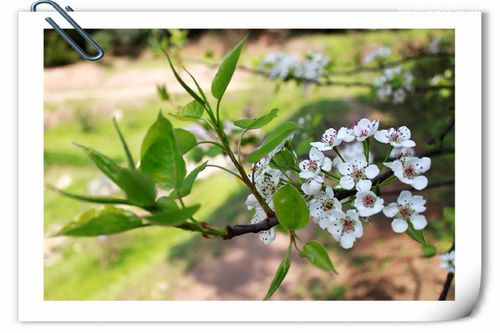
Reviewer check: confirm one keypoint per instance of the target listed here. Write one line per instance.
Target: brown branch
(448, 281)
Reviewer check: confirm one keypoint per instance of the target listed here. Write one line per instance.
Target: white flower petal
(364, 185)
(419, 183)
(267, 236)
(358, 229)
(316, 155)
(347, 240)
(345, 168)
(335, 229)
(381, 136)
(418, 203)
(371, 171)
(419, 222)
(321, 146)
(399, 225)
(347, 182)
(405, 198)
(391, 210)
(327, 164)
(408, 143)
(404, 132)
(329, 192)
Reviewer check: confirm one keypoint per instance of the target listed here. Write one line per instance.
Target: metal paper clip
(65, 36)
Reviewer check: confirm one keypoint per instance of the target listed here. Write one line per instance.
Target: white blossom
(356, 172)
(401, 152)
(377, 54)
(364, 129)
(366, 202)
(394, 82)
(322, 205)
(317, 161)
(313, 67)
(331, 138)
(395, 137)
(345, 227)
(407, 209)
(266, 236)
(279, 65)
(448, 261)
(409, 170)
(312, 185)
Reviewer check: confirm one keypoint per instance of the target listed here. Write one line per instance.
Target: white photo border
(33, 307)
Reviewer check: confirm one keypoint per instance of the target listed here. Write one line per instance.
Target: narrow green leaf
(250, 124)
(280, 273)
(138, 188)
(160, 156)
(273, 139)
(416, 235)
(102, 221)
(88, 198)
(185, 140)
(317, 255)
(182, 83)
(226, 70)
(191, 111)
(162, 92)
(291, 208)
(173, 217)
(130, 159)
(187, 185)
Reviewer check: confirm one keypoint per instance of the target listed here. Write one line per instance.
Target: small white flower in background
(322, 205)
(401, 152)
(395, 137)
(64, 181)
(313, 67)
(312, 185)
(317, 161)
(408, 81)
(399, 96)
(102, 186)
(434, 45)
(409, 170)
(364, 129)
(279, 65)
(366, 202)
(349, 152)
(377, 54)
(356, 172)
(345, 227)
(448, 261)
(407, 208)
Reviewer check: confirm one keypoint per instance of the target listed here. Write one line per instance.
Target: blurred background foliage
(132, 82)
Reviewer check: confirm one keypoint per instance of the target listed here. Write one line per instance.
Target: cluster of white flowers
(394, 83)
(377, 54)
(448, 261)
(354, 171)
(266, 180)
(284, 65)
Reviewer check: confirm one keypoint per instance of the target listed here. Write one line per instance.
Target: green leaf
(102, 221)
(167, 203)
(285, 159)
(449, 214)
(291, 208)
(160, 156)
(88, 198)
(138, 187)
(173, 217)
(191, 111)
(417, 235)
(317, 255)
(185, 140)
(226, 70)
(182, 83)
(162, 92)
(250, 124)
(187, 185)
(131, 163)
(428, 251)
(280, 273)
(277, 136)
